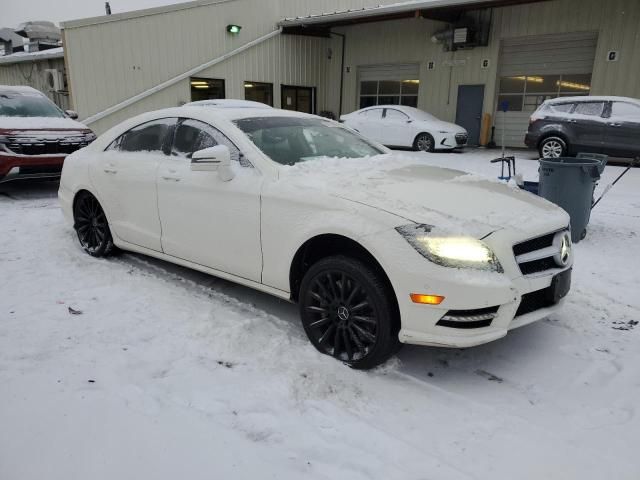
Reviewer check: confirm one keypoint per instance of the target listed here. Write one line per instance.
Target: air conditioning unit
(54, 80)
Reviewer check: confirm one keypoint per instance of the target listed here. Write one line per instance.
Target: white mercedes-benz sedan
(376, 249)
(407, 127)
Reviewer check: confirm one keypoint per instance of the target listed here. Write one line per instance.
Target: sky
(16, 12)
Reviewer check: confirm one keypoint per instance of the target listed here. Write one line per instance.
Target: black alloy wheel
(424, 143)
(347, 312)
(91, 225)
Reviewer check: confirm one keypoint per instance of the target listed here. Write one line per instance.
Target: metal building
(461, 60)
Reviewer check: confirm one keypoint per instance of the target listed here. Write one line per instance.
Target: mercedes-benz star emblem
(563, 242)
(343, 313)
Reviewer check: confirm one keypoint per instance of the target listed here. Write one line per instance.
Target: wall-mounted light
(248, 85)
(234, 29)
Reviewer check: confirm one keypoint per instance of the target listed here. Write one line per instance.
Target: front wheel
(348, 311)
(424, 142)
(91, 225)
(553, 147)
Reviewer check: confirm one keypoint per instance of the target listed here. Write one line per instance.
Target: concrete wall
(31, 74)
(408, 41)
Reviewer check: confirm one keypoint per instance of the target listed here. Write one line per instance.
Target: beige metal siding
(548, 54)
(31, 74)
(113, 59)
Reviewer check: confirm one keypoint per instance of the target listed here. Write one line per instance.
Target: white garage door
(388, 84)
(534, 69)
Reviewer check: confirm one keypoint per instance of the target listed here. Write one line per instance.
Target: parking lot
(107, 365)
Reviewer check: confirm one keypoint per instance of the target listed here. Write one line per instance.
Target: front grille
(44, 148)
(534, 244)
(535, 301)
(461, 138)
(536, 255)
(466, 319)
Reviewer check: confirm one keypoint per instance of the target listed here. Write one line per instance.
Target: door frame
(484, 92)
(314, 96)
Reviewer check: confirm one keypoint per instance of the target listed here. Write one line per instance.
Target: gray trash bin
(569, 183)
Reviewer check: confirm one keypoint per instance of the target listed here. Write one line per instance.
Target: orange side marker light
(426, 299)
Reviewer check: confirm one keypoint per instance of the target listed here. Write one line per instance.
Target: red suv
(35, 135)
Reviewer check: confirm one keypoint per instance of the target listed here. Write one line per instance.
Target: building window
(525, 93)
(206, 89)
(389, 92)
(259, 92)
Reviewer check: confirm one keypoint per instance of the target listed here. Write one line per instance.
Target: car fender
(286, 225)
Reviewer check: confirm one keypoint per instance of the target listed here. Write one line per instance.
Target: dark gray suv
(566, 126)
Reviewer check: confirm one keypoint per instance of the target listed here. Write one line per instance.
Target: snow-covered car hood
(455, 202)
(40, 123)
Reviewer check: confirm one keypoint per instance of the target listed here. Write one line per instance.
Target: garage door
(534, 69)
(395, 84)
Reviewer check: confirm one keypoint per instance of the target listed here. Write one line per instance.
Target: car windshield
(289, 140)
(27, 105)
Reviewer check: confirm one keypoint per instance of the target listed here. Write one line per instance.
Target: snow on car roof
(18, 89)
(227, 103)
(412, 112)
(594, 98)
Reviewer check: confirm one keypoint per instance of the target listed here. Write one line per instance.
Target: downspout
(344, 41)
(179, 78)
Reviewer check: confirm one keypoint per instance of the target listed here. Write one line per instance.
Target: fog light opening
(426, 299)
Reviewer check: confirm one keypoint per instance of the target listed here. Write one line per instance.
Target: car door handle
(171, 179)
(573, 121)
(110, 171)
(615, 124)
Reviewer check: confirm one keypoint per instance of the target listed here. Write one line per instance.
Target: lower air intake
(467, 319)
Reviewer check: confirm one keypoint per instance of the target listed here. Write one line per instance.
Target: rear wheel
(349, 312)
(553, 147)
(424, 142)
(91, 225)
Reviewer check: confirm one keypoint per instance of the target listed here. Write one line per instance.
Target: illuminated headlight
(90, 137)
(456, 252)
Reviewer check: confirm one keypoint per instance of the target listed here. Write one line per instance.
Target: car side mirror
(213, 159)
(71, 114)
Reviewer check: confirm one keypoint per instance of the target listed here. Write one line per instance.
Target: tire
(424, 142)
(91, 226)
(552, 147)
(349, 312)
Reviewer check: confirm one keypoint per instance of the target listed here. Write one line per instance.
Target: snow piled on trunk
(168, 373)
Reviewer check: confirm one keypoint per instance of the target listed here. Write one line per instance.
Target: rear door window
(148, 137)
(395, 115)
(593, 109)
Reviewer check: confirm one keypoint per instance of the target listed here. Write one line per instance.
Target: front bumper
(511, 296)
(449, 141)
(16, 167)
(420, 322)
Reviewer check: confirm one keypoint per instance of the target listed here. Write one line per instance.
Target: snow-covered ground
(168, 373)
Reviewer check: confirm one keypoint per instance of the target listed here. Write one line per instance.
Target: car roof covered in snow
(589, 98)
(19, 89)
(412, 112)
(227, 103)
